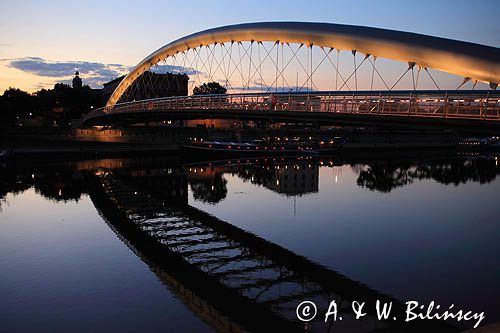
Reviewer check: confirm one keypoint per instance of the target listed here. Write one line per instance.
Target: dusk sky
(41, 43)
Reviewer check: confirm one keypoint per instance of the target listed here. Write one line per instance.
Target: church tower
(77, 82)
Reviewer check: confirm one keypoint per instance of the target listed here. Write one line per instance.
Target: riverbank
(88, 150)
(24, 143)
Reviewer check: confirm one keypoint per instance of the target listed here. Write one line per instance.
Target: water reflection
(221, 272)
(289, 176)
(388, 175)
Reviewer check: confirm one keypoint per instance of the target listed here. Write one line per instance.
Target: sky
(43, 42)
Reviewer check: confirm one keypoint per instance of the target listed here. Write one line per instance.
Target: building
(297, 179)
(77, 81)
(150, 85)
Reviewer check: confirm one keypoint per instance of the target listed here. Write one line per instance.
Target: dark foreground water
(164, 244)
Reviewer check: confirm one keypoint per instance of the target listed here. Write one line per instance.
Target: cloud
(259, 87)
(93, 73)
(175, 69)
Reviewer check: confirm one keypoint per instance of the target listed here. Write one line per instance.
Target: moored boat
(263, 147)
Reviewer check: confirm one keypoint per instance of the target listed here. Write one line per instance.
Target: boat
(480, 143)
(263, 147)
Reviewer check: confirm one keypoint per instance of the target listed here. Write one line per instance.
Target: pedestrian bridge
(468, 108)
(312, 72)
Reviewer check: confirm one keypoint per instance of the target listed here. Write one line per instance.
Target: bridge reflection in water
(234, 280)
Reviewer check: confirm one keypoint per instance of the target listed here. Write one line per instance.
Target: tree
(210, 191)
(19, 103)
(211, 88)
(72, 103)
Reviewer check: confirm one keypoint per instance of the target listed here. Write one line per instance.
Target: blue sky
(114, 35)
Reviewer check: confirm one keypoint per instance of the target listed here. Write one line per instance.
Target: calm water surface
(169, 245)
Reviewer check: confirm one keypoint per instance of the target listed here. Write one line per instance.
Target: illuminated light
(213, 188)
(336, 178)
(277, 182)
(135, 193)
(32, 176)
(229, 147)
(60, 192)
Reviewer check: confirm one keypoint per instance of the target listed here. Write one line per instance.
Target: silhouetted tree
(210, 191)
(211, 88)
(19, 103)
(74, 102)
(384, 177)
(6, 117)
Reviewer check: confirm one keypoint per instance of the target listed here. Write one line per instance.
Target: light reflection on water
(413, 228)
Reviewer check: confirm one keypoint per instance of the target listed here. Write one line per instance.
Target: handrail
(467, 104)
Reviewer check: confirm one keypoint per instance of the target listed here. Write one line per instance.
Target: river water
(187, 245)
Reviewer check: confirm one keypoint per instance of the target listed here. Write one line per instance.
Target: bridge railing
(450, 104)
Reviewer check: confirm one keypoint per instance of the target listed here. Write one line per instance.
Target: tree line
(57, 105)
(62, 103)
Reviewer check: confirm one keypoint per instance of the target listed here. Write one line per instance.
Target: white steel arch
(470, 60)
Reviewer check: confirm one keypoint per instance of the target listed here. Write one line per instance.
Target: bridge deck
(465, 106)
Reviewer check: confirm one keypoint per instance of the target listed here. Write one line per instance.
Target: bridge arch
(470, 60)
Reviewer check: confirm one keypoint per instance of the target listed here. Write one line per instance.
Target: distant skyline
(42, 43)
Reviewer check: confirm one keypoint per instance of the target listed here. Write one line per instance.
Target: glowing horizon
(43, 44)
